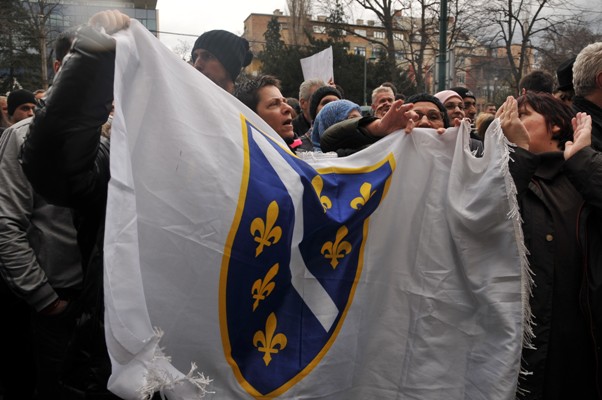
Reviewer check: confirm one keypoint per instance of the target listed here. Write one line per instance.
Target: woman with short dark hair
(559, 184)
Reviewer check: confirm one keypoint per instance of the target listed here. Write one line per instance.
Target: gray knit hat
(232, 51)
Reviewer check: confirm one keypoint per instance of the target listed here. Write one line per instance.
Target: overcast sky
(196, 17)
(189, 18)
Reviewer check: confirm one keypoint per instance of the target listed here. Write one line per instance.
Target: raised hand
(112, 21)
(512, 126)
(398, 117)
(582, 135)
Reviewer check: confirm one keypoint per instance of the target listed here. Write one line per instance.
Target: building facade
(71, 13)
(27, 42)
(482, 68)
(365, 41)
(364, 37)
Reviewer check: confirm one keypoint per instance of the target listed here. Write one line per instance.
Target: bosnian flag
(238, 270)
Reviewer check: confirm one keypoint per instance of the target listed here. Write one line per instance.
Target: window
(379, 35)
(151, 25)
(360, 32)
(360, 51)
(319, 29)
(398, 37)
(378, 52)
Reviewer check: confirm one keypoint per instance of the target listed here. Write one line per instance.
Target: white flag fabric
(395, 273)
(319, 65)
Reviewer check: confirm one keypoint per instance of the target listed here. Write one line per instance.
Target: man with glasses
(425, 111)
(434, 114)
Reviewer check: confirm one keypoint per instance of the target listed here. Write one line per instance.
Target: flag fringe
(160, 380)
(310, 156)
(527, 273)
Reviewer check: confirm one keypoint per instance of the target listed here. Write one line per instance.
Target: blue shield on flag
(292, 263)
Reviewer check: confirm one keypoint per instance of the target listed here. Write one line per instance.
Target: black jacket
(560, 204)
(68, 164)
(348, 136)
(301, 125)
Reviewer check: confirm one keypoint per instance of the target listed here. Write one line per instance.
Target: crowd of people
(54, 172)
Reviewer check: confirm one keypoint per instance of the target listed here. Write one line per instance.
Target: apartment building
(482, 68)
(293, 33)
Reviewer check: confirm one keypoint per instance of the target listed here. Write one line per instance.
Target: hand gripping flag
(235, 269)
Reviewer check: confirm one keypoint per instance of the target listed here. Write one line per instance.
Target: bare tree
(37, 22)
(519, 24)
(556, 48)
(182, 49)
(385, 11)
(25, 36)
(299, 11)
(419, 26)
(411, 31)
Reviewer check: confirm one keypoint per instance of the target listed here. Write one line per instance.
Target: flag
(235, 269)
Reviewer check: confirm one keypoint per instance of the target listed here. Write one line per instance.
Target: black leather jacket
(68, 164)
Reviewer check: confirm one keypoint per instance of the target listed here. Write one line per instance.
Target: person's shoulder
(15, 133)
(18, 130)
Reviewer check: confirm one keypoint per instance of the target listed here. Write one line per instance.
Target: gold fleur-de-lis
(267, 342)
(366, 194)
(262, 288)
(318, 185)
(337, 250)
(268, 233)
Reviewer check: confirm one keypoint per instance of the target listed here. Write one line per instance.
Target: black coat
(348, 136)
(560, 205)
(581, 104)
(68, 164)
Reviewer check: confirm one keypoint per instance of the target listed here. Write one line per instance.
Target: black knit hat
(318, 95)
(430, 99)
(232, 51)
(17, 98)
(463, 92)
(564, 73)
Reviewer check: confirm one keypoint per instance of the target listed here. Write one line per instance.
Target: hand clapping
(512, 126)
(582, 135)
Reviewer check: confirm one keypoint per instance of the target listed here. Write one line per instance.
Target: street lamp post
(372, 58)
(442, 46)
(365, 78)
